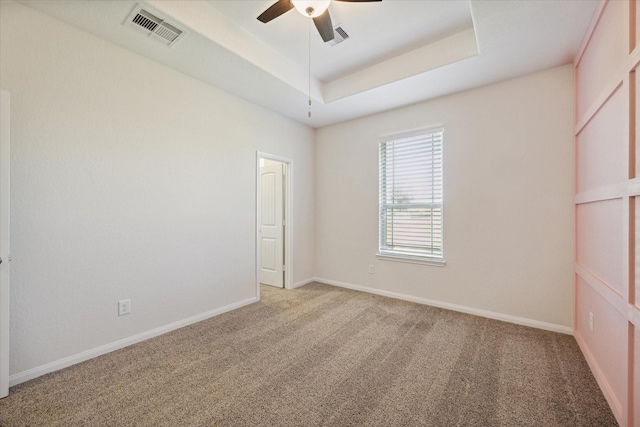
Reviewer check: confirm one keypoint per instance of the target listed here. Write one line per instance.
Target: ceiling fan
(314, 9)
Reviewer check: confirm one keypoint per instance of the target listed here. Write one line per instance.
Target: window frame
(404, 256)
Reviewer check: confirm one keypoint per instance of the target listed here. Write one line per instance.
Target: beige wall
(508, 217)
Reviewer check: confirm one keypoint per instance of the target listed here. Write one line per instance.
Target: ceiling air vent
(340, 35)
(154, 26)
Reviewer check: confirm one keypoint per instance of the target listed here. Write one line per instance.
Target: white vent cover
(154, 26)
(339, 35)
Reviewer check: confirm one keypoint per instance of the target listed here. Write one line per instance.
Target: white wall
(508, 181)
(129, 180)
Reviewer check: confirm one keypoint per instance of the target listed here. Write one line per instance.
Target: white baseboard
(601, 378)
(454, 307)
(29, 374)
(303, 282)
(32, 373)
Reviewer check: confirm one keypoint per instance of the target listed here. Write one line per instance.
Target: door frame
(4, 240)
(287, 196)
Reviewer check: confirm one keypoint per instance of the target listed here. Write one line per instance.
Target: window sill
(437, 262)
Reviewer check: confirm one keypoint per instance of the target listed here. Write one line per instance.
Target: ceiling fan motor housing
(315, 9)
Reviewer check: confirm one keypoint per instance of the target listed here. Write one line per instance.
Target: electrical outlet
(372, 269)
(124, 307)
(591, 321)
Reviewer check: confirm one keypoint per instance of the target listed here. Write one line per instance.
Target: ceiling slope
(398, 52)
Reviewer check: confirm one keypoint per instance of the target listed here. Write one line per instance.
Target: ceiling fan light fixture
(311, 8)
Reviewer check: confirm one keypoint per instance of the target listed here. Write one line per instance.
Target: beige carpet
(321, 355)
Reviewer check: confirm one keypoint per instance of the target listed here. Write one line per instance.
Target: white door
(4, 243)
(271, 224)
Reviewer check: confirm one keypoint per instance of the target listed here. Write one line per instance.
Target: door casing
(5, 163)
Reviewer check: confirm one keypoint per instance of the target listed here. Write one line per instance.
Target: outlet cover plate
(124, 307)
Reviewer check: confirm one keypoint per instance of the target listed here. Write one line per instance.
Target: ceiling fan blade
(276, 9)
(323, 24)
(358, 1)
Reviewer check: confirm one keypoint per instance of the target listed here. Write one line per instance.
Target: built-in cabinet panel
(602, 149)
(607, 212)
(605, 55)
(600, 242)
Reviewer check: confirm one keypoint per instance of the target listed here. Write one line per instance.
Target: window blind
(411, 195)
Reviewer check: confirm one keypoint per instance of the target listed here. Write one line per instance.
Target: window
(411, 197)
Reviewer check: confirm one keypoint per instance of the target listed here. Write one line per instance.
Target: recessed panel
(637, 252)
(636, 374)
(605, 55)
(634, 5)
(606, 341)
(636, 105)
(267, 205)
(602, 145)
(267, 254)
(600, 240)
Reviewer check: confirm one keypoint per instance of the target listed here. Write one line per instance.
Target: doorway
(273, 214)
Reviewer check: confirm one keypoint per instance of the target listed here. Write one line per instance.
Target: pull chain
(309, 28)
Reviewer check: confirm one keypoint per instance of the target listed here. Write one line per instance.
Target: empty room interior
(346, 212)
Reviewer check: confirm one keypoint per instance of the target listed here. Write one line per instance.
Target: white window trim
(412, 259)
(436, 261)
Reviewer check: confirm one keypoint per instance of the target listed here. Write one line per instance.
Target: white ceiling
(399, 52)
(377, 31)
